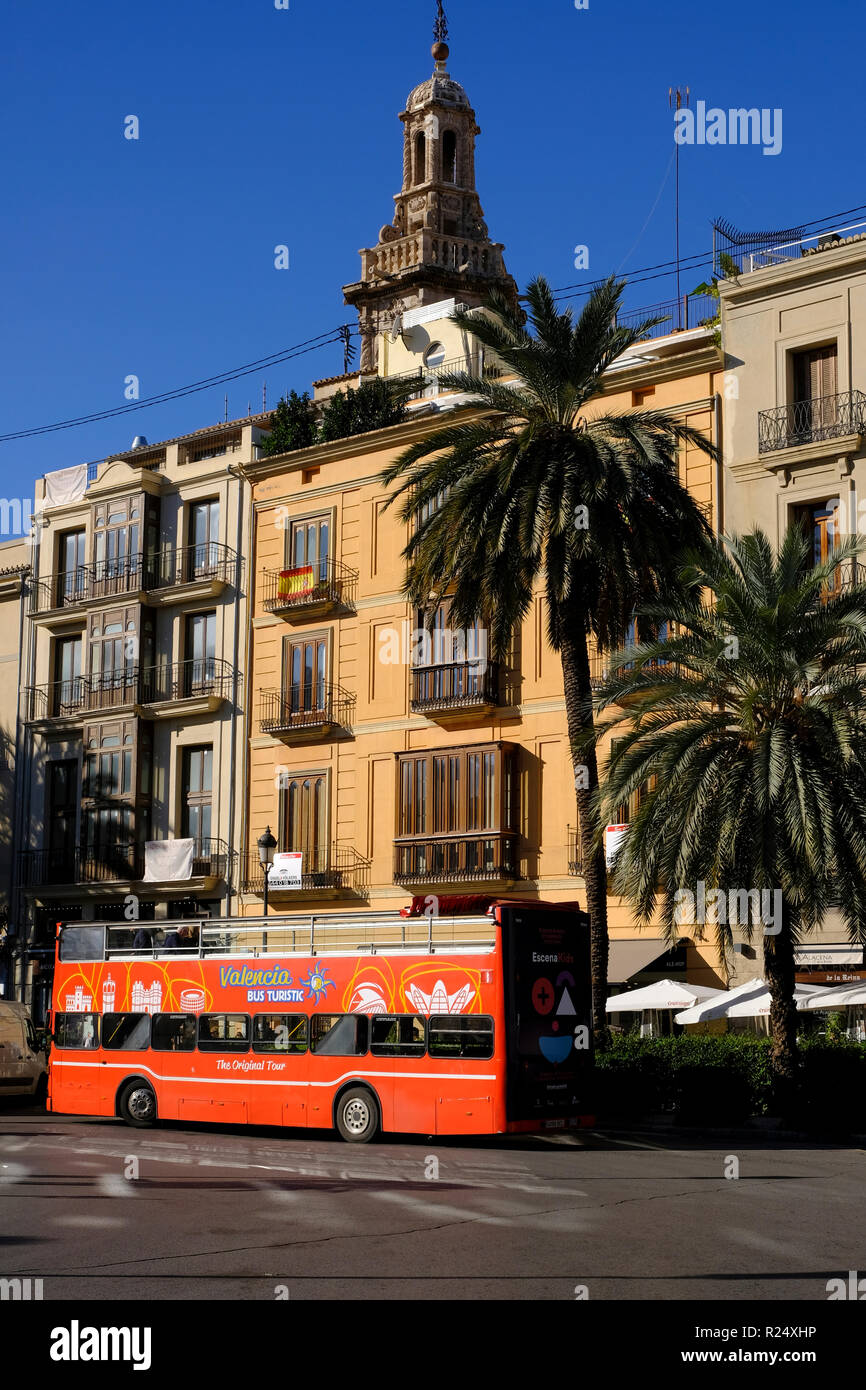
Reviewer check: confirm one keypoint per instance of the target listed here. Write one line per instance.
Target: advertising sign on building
(285, 872)
(613, 838)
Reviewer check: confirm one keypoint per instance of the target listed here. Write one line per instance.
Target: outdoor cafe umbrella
(664, 994)
(749, 1000)
(840, 997)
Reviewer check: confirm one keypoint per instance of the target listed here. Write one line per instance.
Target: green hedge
(721, 1079)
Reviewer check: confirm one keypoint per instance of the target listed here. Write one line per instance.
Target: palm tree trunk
(579, 713)
(779, 973)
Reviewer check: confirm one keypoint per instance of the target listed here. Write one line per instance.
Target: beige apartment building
(398, 771)
(794, 331)
(14, 570)
(130, 799)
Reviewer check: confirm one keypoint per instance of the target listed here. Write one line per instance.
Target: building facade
(396, 768)
(794, 331)
(133, 704)
(14, 572)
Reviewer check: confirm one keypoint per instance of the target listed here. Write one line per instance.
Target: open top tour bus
(365, 1021)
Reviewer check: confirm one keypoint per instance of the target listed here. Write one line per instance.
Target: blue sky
(261, 127)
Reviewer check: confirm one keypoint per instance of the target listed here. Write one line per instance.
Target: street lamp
(267, 845)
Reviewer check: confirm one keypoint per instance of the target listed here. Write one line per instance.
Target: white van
(23, 1069)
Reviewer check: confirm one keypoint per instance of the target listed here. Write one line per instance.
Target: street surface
(216, 1213)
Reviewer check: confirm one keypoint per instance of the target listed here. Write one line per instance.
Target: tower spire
(440, 28)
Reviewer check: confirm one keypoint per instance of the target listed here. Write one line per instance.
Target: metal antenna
(440, 28)
(677, 98)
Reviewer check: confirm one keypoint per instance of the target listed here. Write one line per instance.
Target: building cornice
(836, 264)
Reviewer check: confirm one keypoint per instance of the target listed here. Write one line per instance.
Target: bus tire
(356, 1115)
(137, 1105)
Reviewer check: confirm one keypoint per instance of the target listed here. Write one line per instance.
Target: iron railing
(456, 858)
(338, 868)
(691, 311)
(187, 680)
(190, 564)
(805, 422)
(322, 581)
(457, 685)
(575, 856)
(122, 861)
(305, 707)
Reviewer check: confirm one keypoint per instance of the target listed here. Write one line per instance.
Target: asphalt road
(216, 1213)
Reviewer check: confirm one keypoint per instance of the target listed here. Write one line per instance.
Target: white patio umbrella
(749, 1000)
(839, 997)
(664, 994)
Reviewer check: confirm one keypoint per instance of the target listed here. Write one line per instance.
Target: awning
(628, 958)
(827, 957)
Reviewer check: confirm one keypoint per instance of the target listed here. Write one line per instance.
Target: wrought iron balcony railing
(113, 862)
(455, 686)
(807, 422)
(324, 581)
(191, 564)
(478, 858)
(338, 868)
(678, 315)
(575, 856)
(187, 680)
(305, 707)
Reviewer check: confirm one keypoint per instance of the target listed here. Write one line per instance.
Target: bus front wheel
(357, 1115)
(138, 1105)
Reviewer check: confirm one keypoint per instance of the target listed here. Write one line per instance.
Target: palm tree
(539, 488)
(747, 733)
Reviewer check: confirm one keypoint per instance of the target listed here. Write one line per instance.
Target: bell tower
(437, 246)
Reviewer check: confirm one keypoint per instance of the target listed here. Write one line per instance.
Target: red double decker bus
(362, 1022)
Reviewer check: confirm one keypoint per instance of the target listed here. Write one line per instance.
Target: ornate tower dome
(437, 245)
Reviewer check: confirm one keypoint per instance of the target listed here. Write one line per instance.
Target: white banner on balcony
(285, 872)
(65, 485)
(167, 860)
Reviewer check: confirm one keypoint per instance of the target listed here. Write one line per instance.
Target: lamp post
(267, 845)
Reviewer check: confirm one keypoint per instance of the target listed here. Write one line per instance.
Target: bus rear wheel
(138, 1105)
(357, 1116)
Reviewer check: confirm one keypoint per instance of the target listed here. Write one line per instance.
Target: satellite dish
(396, 328)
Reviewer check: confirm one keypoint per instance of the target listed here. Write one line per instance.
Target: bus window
(173, 1033)
(224, 1033)
(339, 1035)
(82, 943)
(280, 1033)
(76, 1030)
(460, 1035)
(400, 1036)
(126, 1032)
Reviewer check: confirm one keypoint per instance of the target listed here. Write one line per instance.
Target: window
(197, 793)
(455, 791)
(280, 1033)
(306, 819)
(76, 1030)
(820, 523)
(82, 943)
(309, 543)
(402, 1035)
(452, 1035)
(224, 1033)
(173, 1033)
(113, 647)
(64, 790)
(449, 157)
(204, 534)
(200, 666)
(71, 564)
(627, 810)
(420, 158)
(116, 531)
(306, 664)
(126, 1032)
(339, 1035)
(814, 373)
(68, 688)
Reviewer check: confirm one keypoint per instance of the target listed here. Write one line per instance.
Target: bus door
(548, 1016)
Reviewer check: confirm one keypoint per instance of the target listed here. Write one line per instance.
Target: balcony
(454, 691)
(575, 857)
(83, 695)
(123, 862)
(197, 686)
(309, 591)
(487, 858)
(193, 571)
(810, 422)
(305, 712)
(329, 872)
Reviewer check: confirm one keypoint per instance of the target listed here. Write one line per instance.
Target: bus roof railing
(301, 934)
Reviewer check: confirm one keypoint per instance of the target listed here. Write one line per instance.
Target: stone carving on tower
(437, 245)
